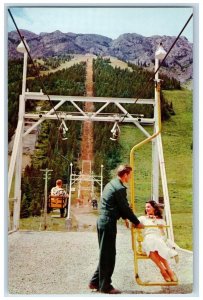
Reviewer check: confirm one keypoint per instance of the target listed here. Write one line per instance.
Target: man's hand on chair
(139, 226)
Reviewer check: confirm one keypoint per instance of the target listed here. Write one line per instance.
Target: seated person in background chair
(59, 191)
(94, 203)
(154, 243)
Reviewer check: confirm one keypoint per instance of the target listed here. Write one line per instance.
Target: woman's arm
(161, 225)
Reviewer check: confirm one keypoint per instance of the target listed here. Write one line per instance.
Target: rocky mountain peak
(132, 47)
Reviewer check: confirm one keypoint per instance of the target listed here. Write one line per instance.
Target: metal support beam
(135, 121)
(16, 144)
(24, 73)
(17, 190)
(99, 110)
(18, 171)
(78, 108)
(16, 157)
(44, 117)
(41, 97)
(155, 158)
(89, 117)
(167, 208)
(155, 171)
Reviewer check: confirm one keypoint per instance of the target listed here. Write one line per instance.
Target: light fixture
(21, 47)
(160, 52)
(115, 132)
(63, 129)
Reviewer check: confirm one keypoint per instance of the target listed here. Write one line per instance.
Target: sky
(107, 21)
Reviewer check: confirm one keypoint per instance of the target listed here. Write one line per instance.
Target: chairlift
(115, 132)
(139, 254)
(63, 129)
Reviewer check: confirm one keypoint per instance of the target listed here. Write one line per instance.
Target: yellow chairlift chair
(137, 237)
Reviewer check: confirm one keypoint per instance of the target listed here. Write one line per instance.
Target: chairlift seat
(140, 254)
(57, 202)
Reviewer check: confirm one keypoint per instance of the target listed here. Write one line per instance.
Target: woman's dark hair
(157, 208)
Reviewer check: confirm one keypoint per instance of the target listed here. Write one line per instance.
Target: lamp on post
(21, 49)
(159, 55)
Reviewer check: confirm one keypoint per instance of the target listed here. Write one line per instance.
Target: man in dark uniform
(114, 204)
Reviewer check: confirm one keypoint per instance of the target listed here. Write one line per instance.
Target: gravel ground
(62, 263)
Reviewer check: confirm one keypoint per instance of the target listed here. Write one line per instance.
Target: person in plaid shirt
(59, 191)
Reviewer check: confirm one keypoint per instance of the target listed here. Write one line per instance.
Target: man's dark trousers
(106, 229)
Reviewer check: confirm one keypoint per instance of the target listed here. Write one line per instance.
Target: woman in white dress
(154, 243)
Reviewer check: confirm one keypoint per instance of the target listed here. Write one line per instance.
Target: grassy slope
(177, 139)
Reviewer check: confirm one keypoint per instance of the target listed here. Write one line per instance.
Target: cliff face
(130, 47)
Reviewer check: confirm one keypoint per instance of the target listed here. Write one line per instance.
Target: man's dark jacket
(114, 202)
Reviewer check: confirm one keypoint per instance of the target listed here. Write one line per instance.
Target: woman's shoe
(166, 276)
(172, 275)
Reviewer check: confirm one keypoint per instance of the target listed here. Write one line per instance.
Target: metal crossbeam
(40, 96)
(42, 119)
(81, 115)
(90, 117)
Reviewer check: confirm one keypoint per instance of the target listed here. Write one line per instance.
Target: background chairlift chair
(94, 204)
(58, 202)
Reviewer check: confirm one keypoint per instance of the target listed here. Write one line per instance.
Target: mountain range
(130, 47)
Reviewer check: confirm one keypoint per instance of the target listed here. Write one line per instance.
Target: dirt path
(86, 217)
(87, 136)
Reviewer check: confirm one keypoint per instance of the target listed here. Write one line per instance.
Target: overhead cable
(173, 45)
(150, 80)
(36, 69)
